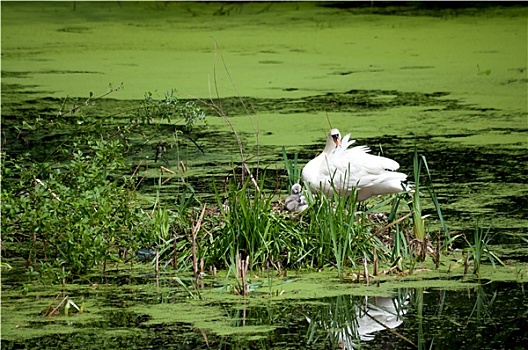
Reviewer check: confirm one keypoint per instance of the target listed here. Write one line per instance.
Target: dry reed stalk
(365, 265)
(167, 170)
(141, 180)
(392, 224)
(242, 269)
(58, 306)
(174, 254)
(466, 263)
(437, 253)
(195, 230)
(375, 269)
(156, 266)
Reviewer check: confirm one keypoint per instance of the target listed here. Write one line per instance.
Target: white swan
(296, 201)
(351, 168)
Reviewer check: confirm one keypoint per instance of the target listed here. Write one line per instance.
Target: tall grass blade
(292, 169)
(419, 228)
(434, 198)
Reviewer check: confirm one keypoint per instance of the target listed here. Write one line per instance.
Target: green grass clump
(249, 225)
(340, 234)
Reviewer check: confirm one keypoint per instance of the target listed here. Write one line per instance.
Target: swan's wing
(345, 142)
(350, 161)
(356, 167)
(387, 179)
(370, 163)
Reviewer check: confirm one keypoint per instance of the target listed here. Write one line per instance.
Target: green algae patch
(506, 138)
(201, 315)
(318, 54)
(510, 273)
(23, 319)
(191, 311)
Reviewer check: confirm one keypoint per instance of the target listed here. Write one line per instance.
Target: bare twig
(49, 307)
(217, 107)
(375, 269)
(136, 169)
(393, 267)
(221, 112)
(392, 223)
(365, 265)
(466, 263)
(38, 181)
(167, 170)
(141, 179)
(251, 176)
(58, 306)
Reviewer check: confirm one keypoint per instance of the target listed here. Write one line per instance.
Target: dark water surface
(130, 312)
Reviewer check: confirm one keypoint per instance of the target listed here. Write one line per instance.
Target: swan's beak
(337, 141)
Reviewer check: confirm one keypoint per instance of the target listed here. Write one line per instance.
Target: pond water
(129, 309)
(451, 82)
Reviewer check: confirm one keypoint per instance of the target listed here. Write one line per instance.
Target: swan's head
(296, 189)
(333, 140)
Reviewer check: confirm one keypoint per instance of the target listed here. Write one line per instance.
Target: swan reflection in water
(351, 320)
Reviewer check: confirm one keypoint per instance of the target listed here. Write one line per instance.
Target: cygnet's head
(296, 189)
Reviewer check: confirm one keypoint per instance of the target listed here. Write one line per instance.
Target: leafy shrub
(71, 206)
(74, 214)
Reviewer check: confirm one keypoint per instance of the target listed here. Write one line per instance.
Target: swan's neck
(330, 146)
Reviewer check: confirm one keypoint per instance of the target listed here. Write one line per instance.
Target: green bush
(74, 214)
(69, 205)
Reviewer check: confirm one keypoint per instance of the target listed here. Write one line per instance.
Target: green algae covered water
(450, 81)
(129, 309)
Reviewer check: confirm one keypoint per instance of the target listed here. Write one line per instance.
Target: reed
(434, 198)
(416, 207)
(292, 168)
(414, 196)
(483, 304)
(479, 249)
